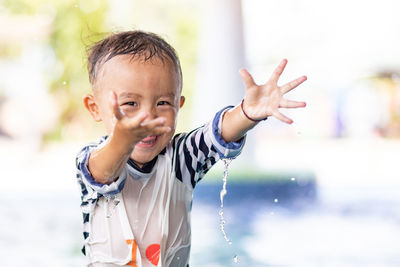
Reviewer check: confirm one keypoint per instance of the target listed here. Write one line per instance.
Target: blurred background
(324, 191)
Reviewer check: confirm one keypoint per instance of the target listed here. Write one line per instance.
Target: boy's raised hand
(134, 129)
(262, 101)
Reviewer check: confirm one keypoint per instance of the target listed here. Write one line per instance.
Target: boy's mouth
(148, 141)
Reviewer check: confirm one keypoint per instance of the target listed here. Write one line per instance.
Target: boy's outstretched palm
(262, 101)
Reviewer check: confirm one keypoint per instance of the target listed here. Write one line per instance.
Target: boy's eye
(130, 103)
(161, 103)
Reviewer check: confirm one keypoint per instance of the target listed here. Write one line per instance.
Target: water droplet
(178, 258)
(111, 203)
(293, 179)
(64, 82)
(276, 200)
(235, 259)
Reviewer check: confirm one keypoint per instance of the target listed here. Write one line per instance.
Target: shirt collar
(147, 167)
(146, 170)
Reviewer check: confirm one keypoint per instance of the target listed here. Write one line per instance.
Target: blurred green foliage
(77, 24)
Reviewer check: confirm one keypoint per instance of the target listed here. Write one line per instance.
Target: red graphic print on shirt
(153, 253)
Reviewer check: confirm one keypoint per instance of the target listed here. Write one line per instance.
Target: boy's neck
(147, 166)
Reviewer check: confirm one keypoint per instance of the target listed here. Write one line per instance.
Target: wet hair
(143, 45)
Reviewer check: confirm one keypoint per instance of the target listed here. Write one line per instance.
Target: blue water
(297, 224)
(306, 226)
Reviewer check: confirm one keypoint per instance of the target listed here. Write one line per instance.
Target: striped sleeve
(90, 188)
(196, 152)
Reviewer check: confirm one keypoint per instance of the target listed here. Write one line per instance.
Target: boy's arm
(106, 163)
(260, 102)
(200, 149)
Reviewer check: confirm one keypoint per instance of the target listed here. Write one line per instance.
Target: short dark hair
(145, 45)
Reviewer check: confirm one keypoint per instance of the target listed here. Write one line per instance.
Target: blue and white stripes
(200, 149)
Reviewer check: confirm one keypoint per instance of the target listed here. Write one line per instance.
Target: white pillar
(221, 54)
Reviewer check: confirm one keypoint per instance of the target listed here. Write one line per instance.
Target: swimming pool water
(307, 226)
(336, 227)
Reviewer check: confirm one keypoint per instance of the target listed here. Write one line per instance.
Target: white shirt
(145, 214)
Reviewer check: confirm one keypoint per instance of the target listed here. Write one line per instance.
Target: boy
(137, 182)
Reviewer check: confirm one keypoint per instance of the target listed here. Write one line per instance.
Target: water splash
(236, 259)
(222, 195)
(113, 202)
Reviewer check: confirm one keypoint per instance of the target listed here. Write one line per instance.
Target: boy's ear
(182, 101)
(90, 104)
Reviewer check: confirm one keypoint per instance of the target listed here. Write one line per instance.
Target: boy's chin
(146, 151)
(142, 159)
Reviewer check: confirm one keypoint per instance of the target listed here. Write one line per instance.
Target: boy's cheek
(128, 111)
(173, 118)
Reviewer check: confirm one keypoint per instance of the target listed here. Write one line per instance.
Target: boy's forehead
(110, 69)
(115, 63)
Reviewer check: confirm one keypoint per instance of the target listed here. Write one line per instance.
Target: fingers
(291, 104)
(247, 78)
(155, 126)
(153, 123)
(160, 130)
(278, 71)
(138, 119)
(293, 84)
(118, 113)
(282, 117)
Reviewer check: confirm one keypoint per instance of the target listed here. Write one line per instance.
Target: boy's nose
(152, 113)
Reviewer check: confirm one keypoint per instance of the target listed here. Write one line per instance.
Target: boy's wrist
(121, 143)
(235, 124)
(243, 120)
(249, 117)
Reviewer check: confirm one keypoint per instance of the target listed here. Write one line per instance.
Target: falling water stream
(222, 195)
(221, 211)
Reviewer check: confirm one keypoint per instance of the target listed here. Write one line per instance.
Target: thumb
(247, 78)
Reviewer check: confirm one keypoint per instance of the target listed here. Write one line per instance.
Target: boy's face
(152, 86)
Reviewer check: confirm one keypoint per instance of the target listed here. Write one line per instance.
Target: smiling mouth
(148, 142)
